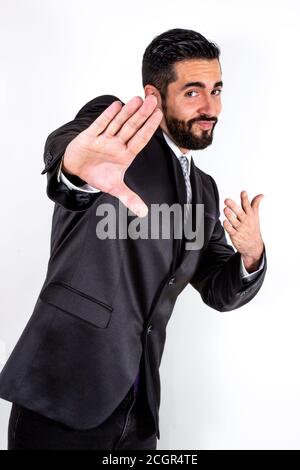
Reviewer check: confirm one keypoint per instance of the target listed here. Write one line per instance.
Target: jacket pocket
(76, 303)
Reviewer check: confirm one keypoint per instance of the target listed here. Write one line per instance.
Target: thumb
(131, 200)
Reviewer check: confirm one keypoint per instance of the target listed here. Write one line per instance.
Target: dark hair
(169, 47)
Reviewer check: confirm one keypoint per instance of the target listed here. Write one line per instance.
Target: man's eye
(192, 91)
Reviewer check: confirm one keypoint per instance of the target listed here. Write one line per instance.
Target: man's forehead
(198, 70)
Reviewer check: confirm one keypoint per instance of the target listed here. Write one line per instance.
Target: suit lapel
(176, 168)
(180, 190)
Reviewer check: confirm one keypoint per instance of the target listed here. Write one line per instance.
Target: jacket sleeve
(54, 150)
(218, 277)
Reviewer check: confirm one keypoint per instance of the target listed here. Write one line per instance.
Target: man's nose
(207, 107)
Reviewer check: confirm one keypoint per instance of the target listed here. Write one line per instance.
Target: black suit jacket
(105, 304)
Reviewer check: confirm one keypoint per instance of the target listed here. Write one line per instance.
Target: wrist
(252, 262)
(65, 167)
(70, 164)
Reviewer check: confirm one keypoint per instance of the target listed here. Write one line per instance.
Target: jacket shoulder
(100, 102)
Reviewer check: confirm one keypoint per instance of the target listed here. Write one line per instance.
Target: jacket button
(149, 329)
(49, 157)
(172, 280)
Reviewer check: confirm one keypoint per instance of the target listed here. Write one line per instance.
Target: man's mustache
(203, 119)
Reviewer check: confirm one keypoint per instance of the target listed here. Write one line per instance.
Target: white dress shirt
(90, 189)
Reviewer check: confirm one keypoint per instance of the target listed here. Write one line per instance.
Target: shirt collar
(177, 150)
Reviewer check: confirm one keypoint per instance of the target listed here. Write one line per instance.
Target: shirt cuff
(250, 276)
(86, 188)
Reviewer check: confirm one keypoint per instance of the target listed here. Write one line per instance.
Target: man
(85, 371)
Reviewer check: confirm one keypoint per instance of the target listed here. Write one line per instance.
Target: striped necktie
(185, 169)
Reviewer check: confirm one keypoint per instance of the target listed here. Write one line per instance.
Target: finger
(131, 200)
(142, 136)
(256, 201)
(102, 121)
(229, 228)
(125, 113)
(235, 208)
(135, 122)
(245, 202)
(232, 218)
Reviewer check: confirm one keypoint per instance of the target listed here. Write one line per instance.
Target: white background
(229, 380)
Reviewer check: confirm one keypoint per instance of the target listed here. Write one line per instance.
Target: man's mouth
(205, 124)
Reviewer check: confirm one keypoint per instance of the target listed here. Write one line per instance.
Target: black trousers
(129, 427)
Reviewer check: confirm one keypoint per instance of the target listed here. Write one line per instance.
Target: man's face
(193, 104)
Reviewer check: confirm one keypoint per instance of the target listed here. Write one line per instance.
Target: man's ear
(152, 90)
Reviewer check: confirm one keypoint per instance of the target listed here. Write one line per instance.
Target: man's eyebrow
(200, 84)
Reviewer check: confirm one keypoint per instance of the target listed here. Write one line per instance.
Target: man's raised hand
(101, 154)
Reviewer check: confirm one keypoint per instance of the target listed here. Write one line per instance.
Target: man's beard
(182, 132)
